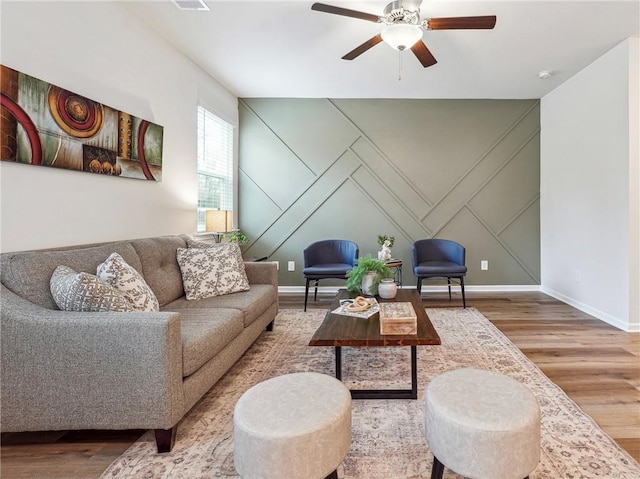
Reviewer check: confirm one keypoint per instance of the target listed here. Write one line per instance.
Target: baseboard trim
(499, 288)
(596, 313)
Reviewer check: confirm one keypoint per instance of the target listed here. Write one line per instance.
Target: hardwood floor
(597, 365)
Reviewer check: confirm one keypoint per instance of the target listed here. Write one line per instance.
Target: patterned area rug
(387, 437)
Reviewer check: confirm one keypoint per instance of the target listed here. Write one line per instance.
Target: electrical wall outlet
(484, 265)
(292, 265)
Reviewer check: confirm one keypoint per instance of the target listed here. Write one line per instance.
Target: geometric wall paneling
(394, 180)
(312, 129)
(278, 171)
(443, 136)
(517, 236)
(487, 165)
(489, 201)
(263, 210)
(310, 199)
(505, 268)
(389, 207)
(467, 170)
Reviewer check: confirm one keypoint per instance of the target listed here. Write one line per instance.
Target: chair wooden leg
(315, 293)
(464, 301)
(437, 470)
(449, 284)
(306, 294)
(419, 286)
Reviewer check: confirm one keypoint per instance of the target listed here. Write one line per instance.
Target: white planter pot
(387, 289)
(367, 283)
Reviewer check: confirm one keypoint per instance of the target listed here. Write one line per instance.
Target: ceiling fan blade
(423, 54)
(323, 7)
(461, 23)
(372, 42)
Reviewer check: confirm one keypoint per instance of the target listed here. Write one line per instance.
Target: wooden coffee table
(339, 330)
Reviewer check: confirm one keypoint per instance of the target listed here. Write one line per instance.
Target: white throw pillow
(74, 291)
(212, 270)
(124, 278)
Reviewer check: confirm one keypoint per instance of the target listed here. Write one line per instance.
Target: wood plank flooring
(597, 365)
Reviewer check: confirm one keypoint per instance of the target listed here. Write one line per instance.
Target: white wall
(589, 224)
(97, 49)
(634, 184)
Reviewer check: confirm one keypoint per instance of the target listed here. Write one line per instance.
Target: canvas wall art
(45, 125)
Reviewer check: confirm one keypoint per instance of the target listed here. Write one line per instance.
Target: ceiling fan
(403, 27)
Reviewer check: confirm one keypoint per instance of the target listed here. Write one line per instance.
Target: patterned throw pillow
(212, 269)
(73, 291)
(124, 278)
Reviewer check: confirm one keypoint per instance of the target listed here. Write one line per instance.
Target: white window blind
(215, 164)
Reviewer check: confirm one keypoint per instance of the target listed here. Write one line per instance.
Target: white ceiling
(284, 49)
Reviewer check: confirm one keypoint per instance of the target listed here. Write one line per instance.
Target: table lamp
(218, 222)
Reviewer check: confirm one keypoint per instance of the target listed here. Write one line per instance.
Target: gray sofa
(119, 370)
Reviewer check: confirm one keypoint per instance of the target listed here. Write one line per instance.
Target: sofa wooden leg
(270, 326)
(165, 439)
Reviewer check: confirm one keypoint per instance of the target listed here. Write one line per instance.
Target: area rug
(388, 439)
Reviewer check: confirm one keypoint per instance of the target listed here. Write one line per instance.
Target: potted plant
(367, 274)
(383, 238)
(237, 236)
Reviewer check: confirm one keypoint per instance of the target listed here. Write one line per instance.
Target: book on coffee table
(398, 318)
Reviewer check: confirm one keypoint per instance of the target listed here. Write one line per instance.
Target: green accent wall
(467, 170)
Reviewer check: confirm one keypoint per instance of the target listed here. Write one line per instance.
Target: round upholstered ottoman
(292, 426)
(482, 425)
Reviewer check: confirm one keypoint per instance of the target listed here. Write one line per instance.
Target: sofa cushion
(124, 278)
(208, 272)
(160, 266)
(28, 273)
(205, 332)
(251, 303)
(231, 275)
(74, 291)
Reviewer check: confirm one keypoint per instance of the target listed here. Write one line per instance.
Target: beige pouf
(292, 426)
(482, 425)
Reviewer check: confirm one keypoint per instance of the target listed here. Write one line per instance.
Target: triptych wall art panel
(45, 125)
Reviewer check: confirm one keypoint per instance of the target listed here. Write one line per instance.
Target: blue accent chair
(439, 258)
(327, 259)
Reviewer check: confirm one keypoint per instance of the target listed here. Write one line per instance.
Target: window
(215, 165)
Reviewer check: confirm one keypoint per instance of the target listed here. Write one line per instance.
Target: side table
(396, 266)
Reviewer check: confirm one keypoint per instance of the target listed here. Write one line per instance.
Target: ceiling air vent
(190, 4)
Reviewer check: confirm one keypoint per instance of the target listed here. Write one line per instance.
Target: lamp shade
(219, 221)
(401, 36)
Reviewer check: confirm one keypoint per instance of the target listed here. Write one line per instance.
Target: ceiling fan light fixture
(401, 36)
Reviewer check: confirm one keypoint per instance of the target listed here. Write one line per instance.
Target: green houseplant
(237, 236)
(365, 265)
(383, 238)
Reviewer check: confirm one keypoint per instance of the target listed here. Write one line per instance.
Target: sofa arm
(262, 273)
(72, 370)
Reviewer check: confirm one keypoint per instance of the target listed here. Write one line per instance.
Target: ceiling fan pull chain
(399, 65)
